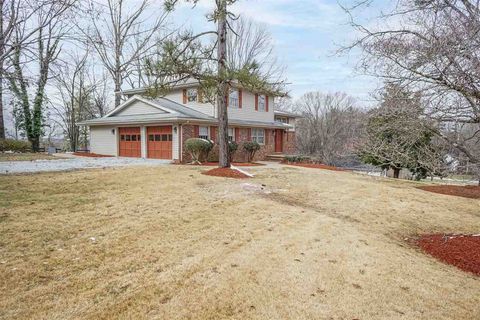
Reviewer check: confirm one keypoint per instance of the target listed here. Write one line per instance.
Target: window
(150, 137)
(134, 137)
(233, 99)
(282, 119)
(230, 134)
(258, 135)
(122, 137)
(192, 95)
(262, 102)
(157, 137)
(127, 137)
(203, 132)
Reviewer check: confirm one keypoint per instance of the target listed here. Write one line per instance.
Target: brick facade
(243, 136)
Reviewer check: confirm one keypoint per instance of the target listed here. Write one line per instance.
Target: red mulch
(462, 251)
(472, 192)
(316, 166)
(90, 155)
(225, 172)
(236, 164)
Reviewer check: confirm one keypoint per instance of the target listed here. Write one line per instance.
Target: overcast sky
(307, 34)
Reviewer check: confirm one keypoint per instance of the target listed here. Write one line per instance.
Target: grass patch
(26, 156)
(171, 243)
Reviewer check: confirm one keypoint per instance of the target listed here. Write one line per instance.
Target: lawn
(171, 243)
(26, 156)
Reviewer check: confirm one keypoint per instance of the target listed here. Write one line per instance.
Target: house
(158, 127)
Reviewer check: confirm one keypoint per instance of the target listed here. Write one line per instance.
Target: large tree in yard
(431, 47)
(192, 56)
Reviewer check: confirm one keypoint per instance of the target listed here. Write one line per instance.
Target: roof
(173, 112)
(287, 114)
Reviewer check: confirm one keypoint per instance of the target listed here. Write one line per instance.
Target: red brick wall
(241, 155)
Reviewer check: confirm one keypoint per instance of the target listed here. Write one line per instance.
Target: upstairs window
(258, 135)
(192, 95)
(203, 132)
(262, 102)
(233, 99)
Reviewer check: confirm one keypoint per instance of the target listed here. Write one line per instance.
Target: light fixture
(175, 129)
(113, 131)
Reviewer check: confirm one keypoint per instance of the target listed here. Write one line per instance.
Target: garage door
(130, 142)
(159, 142)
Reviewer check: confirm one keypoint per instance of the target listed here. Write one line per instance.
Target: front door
(278, 140)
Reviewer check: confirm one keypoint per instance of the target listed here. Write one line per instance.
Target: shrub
(15, 145)
(251, 148)
(232, 148)
(297, 159)
(198, 149)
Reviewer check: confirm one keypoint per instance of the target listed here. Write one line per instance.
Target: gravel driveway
(74, 163)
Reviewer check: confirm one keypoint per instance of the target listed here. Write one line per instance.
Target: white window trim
(202, 136)
(264, 102)
(255, 135)
(235, 105)
(233, 134)
(196, 95)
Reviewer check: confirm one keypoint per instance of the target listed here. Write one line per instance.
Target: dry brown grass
(171, 243)
(26, 156)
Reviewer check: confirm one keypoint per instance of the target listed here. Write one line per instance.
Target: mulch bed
(472, 192)
(225, 172)
(462, 251)
(90, 155)
(236, 164)
(315, 166)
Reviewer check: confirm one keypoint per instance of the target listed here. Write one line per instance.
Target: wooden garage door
(159, 142)
(130, 142)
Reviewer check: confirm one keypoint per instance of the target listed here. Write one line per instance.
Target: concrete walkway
(73, 163)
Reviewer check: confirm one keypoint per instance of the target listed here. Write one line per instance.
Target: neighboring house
(158, 127)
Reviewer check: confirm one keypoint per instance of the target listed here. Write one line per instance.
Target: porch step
(276, 157)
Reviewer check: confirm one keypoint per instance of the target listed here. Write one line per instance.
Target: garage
(159, 142)
(130, 144)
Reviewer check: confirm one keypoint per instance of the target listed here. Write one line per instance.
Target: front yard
(171, 243)
(29, 156)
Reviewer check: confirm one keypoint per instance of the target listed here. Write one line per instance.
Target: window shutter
(240, 98)
(184, 96)
(249, 137)
(196, 131)
(237, 134)
(266, 103)
(256, 101)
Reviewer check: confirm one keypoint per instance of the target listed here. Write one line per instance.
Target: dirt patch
(472, 192)
(316, 166)
(225, 172)
(90, 155)
(462, 251)
(236, 164)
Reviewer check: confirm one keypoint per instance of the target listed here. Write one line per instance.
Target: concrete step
(276, 157)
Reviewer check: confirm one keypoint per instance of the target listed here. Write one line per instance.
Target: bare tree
(431, 47)
(330, 126)
(76, 97)
(122, 35)
(20, 26)
(27, 88)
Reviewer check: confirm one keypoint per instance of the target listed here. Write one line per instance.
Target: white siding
(248, 112)
(177, 96)
(103, 141)
(176, 143)
(138, 107)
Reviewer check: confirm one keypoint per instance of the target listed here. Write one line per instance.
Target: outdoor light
(113, 131)
(175, 129)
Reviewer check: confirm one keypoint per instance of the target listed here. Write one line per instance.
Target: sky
(307, 35)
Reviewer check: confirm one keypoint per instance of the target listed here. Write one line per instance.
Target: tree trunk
(2, 49)
(396, 173)
(222, 93)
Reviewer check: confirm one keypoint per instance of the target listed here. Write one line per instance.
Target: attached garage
(159, 142)
(130, 142)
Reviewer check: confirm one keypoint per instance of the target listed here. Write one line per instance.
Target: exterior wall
(247, 112)
(177, 96)
(138, 107)
(289, 143)
(103, 141)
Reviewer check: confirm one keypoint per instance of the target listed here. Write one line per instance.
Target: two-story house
(158, 127)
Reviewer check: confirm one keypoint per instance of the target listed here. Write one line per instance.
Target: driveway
(74, 163)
